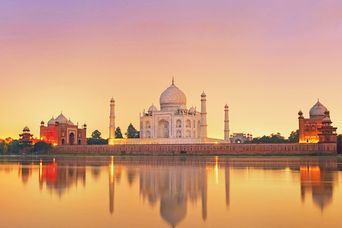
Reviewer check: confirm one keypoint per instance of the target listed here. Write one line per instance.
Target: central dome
(172, 98)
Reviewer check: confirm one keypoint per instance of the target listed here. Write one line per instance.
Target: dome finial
(173, 80)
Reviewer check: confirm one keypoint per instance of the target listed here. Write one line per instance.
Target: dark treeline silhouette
(277, 138)
(96, 138)
(22, 147)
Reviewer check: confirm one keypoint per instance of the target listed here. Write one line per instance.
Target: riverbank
(287, 149)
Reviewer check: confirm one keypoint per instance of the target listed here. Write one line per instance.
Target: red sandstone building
(318, 128)
(27, 137)
(61, 131)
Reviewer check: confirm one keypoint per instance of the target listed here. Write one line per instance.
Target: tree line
(24, 147)
(277, 138)
(96, 138)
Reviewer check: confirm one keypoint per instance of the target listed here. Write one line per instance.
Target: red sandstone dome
(26, 129)
(318, 110)
(52, 121)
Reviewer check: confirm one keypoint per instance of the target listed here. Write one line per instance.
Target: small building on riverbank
(62, 131)
(318, 127)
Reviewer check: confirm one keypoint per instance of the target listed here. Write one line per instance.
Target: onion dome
(203, 94)
(300, 113)
(172, 98)
(42, 122)
(172, 210)
(152, 108)
(84, 126)
(52, 121)
(192, 110)
(226, 106)
(62, 119)
(182, 107)
(26, 129)
(326, 118)
(112, 100)
(318, 110)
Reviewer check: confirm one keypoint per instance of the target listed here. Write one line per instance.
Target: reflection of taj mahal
(174, 186)
(173, 122)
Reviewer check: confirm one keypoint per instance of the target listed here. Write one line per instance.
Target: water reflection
(319, 182)
(111, 185)
(58, 178)
(172, 184)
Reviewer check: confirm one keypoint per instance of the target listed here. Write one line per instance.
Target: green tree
(17, 147)
(132, 132)
(273, 138)
(96, 139)
(294, 137)
(96, 134)
(3, 148)
(118, 133)
(42, 147)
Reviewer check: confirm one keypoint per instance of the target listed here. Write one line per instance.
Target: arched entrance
(163, 129)
(238, 141)
(71, 138)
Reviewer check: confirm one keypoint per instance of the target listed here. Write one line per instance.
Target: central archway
(163, 129)
(71, 138)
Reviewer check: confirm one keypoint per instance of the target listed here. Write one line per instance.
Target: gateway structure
(62, 131)
(173, 122)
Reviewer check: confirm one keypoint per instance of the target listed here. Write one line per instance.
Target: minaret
(204, 116)
(226, 123)
(112, 122)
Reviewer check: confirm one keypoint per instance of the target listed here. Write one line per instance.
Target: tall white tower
(203, 116)
(112, 122)
(226, 123)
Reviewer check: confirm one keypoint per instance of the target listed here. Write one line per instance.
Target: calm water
(166, 192)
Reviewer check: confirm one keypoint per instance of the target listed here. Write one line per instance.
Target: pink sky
(266, 60)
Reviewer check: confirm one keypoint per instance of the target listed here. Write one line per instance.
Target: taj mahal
(173, 123)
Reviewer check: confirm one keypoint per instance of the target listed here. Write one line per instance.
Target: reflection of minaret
(41, 175)
(204, 200)
(204, 196)
(227, 174)
(111, 186)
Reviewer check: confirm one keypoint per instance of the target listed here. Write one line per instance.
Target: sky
(266, 59)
